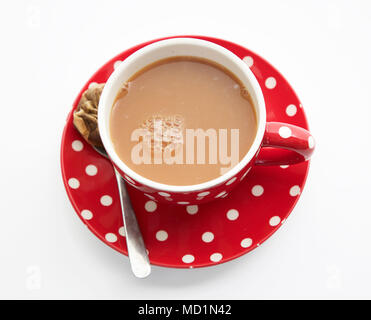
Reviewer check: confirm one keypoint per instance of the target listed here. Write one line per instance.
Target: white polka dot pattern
(106, 200)
(203, 194)
(291, 110)
(257, 190)
(232, 214)
(231, 181)
(274, 221)
(74, 183)
(245, 243)
(164, 194)
(150, 206)
(192, 209)
(220, 194)
(270, 83)
(249, 61)
(207, 237)
(91, 170)
(122, 232)
(284, 132)
(188, 258)
(77, 145)
(161, 235)
(216, 257)
(111, 237)
(87, 214)
(294, 191)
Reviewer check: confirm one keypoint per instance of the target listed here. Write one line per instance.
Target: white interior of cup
(171, 48)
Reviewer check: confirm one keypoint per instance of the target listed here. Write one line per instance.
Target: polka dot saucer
(189, 236)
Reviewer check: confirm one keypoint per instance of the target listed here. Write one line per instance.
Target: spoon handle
(136, 249)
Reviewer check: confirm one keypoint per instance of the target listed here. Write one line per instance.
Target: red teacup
(291, 144)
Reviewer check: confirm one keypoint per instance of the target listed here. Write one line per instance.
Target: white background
(48, 51)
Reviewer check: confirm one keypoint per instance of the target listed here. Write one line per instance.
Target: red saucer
(189, 236)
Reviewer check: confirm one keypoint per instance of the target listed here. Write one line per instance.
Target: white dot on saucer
(161, 235)
(284, 132)
(232, 214)
(106, 200)
(231, 181)
(77, 145)
(188, 258)
(274, 221)
(284, 166)
(216, 257)
(270, 82)
(150, 206)
(245, 243)
(294, 191)
(291, 110)
(249, 61)
(183, 202)
(91, 170)
(168, 199)
(203, 194)
(87, 214)
(257, 190)
(111, 237)
(207, 236)
(220, 194)
(311, 142)
(73, 183)
(224, 196)
(122, 231)
(116, 64)
(164, 194)
(149, 196)
(192, 209)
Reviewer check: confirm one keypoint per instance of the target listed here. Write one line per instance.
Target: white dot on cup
(257, 190)
(192, 209)
(284, 132)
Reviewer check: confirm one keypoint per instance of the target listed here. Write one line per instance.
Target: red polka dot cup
(276, 143)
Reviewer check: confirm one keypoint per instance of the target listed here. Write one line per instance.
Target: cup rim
(259, 105)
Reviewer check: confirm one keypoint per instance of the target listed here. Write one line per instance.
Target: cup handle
(285, 144)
